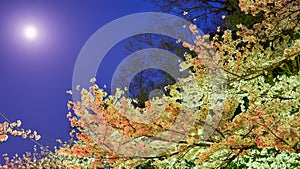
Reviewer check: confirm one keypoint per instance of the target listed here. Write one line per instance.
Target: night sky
(36, 73)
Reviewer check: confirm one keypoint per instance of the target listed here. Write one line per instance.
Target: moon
(30, 32)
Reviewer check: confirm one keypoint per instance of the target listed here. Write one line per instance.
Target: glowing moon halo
(30, 32)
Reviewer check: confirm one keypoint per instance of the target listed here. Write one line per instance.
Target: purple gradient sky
(34, 76)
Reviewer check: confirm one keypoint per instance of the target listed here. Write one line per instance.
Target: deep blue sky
(35, 75)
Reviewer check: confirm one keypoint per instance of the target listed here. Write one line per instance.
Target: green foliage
(240, 17)
(147, 165)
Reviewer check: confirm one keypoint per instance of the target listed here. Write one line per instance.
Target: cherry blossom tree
(266, 132)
